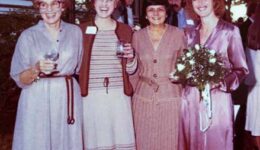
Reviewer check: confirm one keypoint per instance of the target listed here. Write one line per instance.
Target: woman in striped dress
(156, 101)
(107, 111)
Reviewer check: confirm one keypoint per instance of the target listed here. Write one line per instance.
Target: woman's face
(156, 14)
(51, 11)
(105, 8)
(203, 8)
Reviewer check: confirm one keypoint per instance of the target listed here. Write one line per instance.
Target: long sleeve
(237, 60)
(131, 66)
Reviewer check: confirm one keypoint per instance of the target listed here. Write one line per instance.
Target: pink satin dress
(226, 41)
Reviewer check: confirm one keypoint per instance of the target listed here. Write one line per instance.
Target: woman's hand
(46, 66)
(29, 75)
(215, 85)
(128, 51)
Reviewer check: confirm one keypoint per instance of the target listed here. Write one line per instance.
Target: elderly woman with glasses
(49, 114)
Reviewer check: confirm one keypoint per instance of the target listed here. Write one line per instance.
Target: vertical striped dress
(107, 114)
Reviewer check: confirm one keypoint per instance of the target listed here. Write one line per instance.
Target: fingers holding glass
(124, 50)
(47, 66)
(120, 49)
(128, 51)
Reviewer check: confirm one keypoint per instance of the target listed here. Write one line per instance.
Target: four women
(48, 53)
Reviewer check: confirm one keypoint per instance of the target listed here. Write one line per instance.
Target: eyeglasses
(54, 5)
(107, 1)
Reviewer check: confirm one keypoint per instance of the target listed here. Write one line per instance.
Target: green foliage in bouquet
(198, 66)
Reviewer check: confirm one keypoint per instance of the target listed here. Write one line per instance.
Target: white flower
(183, 58)
(172, 74)
(189, 75)
(221, 64)
(188, 54)
(197, 46)
(211, 73)
(192, 62)
(173, 77)
(212, 52)
(212, 60)
(180, 67)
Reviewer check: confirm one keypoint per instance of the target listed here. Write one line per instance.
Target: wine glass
(52, 56)
(120, 49)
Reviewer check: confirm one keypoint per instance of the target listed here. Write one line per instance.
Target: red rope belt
(70, 96)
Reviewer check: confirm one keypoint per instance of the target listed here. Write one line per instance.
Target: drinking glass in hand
(52, 56)
(120, 49)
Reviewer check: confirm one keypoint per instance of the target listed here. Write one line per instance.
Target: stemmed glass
(52, 55)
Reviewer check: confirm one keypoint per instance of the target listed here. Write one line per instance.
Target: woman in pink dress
(224, 38)
(156, 101)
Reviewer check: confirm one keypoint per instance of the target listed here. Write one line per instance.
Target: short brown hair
(65, 3)
(218, 6)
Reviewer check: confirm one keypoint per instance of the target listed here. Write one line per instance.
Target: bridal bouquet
(200, 67)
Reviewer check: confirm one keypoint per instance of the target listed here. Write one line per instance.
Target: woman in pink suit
(224, 38)
(156, 101)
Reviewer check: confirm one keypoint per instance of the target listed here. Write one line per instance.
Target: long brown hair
(254, 30)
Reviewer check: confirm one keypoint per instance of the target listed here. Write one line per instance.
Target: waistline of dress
(154, 83)
(154, 99)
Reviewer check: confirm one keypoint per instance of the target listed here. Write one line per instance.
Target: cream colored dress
(107, 113)
(253, 99)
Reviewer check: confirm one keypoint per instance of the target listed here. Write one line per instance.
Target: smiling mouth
(52, 15)
(156, 18)
(202, 8)
(103, 9)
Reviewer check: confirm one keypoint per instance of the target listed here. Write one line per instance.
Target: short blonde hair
(65, 3)
(218, 7)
